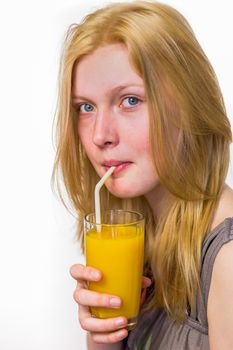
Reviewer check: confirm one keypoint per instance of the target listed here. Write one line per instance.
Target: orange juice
(117, 251)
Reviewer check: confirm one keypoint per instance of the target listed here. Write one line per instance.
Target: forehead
(107, 65)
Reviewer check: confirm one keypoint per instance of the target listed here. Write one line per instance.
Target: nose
(105, 133)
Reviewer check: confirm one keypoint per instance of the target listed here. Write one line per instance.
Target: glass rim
(137, 221)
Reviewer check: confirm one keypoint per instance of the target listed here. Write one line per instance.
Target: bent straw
(97, 194)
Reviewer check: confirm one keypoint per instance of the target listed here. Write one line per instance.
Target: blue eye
(85, 108)
(130, 101)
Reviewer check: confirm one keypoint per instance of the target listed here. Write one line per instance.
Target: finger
(143, 297)
(146, 282)
(81, 272)
(83, 313)
(92, 324)
(109, 338)
(89, 298)
(81, 285)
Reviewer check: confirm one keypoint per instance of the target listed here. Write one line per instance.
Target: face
(113, 121)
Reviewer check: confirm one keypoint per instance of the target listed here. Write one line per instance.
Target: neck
(157, 200)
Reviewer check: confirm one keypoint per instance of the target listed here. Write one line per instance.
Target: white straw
(97, 194)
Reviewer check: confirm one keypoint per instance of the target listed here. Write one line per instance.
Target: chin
(124, 193)
(132, 189)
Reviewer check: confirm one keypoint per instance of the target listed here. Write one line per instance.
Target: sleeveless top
(155, 330)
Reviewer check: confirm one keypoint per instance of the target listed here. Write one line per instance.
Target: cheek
(84, 138)
(144, 151)
(83, 132)
(142, 142)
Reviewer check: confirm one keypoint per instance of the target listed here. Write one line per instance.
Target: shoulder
(225, 207)
(220, 299)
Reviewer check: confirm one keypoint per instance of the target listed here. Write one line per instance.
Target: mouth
(120, 165)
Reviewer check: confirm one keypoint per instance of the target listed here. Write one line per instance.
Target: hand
(110, 330)
(102, 331)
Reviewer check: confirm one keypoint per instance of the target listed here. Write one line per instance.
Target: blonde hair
(181, 89)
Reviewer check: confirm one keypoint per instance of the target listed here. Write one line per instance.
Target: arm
(220, 301)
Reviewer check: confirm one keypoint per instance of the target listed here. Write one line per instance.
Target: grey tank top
(156, 331)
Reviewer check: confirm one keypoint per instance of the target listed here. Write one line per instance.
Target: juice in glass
(117, 250)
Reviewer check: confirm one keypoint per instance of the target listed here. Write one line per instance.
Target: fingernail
(95, 275)
(115, 302)
(148, 281)
(120, 322)
(121, 334)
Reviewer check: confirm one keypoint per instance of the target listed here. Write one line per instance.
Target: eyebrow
(114, 90)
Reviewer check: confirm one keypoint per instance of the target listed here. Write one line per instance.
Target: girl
(137, 91)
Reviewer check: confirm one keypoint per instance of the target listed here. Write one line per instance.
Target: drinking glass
(116, 248)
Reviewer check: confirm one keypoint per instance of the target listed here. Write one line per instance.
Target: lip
(120, 165)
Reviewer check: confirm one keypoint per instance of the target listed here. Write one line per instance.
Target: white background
(37, 246)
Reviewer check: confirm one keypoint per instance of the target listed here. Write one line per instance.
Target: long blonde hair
(181, 89)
